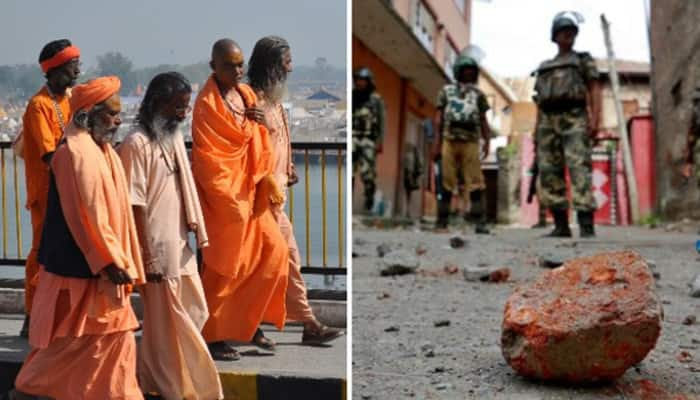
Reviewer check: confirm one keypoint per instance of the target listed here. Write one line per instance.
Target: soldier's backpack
(561, 81)
(463, 111)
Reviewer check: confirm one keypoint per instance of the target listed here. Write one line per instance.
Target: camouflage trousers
(364, 158)
(563, 142)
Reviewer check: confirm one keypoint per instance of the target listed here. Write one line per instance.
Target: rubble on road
(588, 321)
(695, 287)
(457, 242)
(486, 274)
(399, 262)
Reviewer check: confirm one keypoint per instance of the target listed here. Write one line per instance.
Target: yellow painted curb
(239, 385)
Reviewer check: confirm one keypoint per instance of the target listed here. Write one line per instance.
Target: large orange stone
(586, 321)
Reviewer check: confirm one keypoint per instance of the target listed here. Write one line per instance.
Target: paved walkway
(292, 372)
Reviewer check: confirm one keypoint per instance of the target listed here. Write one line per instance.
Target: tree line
(19, 82)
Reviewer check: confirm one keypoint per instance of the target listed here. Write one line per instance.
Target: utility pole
(621, 123)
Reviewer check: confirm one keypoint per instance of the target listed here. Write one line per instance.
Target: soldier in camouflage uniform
(567, 97)
(461, 120)
(367, 131)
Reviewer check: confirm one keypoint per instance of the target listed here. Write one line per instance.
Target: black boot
(443, 210)
(478, 212)
(561, 223)
(541, 219)
(586, 225)
(369, 196)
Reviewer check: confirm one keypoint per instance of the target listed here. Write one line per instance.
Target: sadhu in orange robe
(42, 131)
(81, 333)
(246, 265)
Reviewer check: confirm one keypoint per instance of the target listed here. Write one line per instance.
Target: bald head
(227, 62)
(222, 47)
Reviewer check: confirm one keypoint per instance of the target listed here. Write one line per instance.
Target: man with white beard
(174, 361)
(269, 65)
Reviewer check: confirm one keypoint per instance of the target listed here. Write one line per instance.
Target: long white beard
(278, 93)
(163, 133)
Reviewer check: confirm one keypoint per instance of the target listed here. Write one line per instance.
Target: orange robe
(298, 308)
(42, 133)
(81, 332)
(245, 267)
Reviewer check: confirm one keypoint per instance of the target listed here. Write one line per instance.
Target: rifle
(532, 190)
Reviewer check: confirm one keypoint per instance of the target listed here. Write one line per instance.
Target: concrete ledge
(293, 372)
(329, 312)
(11, 301)
(242, 385)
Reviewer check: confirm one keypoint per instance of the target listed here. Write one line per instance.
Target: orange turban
(94, 92)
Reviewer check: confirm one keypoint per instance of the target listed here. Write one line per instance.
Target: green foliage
(19, 82)
(651, 220)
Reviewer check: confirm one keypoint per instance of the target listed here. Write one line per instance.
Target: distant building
(323, 95)
(635, 92)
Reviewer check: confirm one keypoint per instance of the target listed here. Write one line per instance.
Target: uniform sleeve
(133, 155)
(483, 103)
(38, 126)
(590, 70)
(442, 98)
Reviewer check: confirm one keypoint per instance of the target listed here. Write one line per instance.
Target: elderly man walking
(269, 65)
(173, 360)
(82, 327)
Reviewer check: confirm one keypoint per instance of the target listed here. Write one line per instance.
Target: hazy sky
(152, 32)
(514, 34)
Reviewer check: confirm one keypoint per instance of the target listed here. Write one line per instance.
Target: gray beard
(278, 92)
(164, 134)
(100, 134)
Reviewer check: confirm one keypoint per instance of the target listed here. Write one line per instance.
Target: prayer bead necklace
(61, 121)
(238, 114)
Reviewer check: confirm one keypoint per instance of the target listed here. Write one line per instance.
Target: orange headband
(60, 58)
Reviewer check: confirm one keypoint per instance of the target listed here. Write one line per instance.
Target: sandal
(221, 351)
(318, 337)
(263, 342)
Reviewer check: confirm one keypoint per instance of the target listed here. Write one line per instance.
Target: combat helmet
(564, 20)
(463, 61)
(364, 73)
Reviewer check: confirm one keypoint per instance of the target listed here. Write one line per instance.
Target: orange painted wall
(388, 83)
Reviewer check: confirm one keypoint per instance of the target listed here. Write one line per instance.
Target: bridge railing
(315, 206)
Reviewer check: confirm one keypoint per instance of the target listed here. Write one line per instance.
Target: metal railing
(320, 236)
